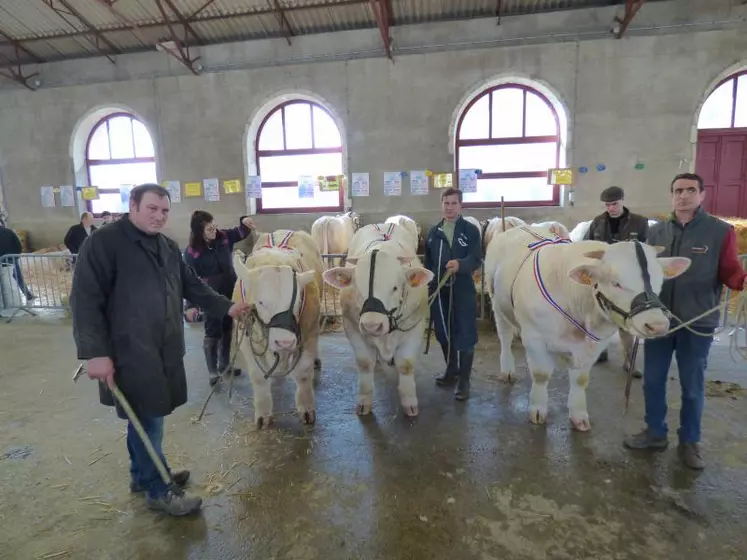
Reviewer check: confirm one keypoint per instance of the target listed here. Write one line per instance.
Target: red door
(722, 162)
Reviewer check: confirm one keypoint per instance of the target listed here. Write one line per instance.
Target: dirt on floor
(464, 481)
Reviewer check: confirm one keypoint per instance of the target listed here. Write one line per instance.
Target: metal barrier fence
(35, 281)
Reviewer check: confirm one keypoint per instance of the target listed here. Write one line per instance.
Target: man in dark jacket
(711, 245)
(454, 245)
(618, 223)
(126, 302)
(10, 244)
(78, 233)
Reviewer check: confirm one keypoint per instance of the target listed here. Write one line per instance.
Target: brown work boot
(645, 440)
(691, 455)
(175, 502)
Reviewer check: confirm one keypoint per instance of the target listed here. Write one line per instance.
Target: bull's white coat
(412, 228)
(400, 282)
(333, 234)
(495, 226)
(267, 282)
(568, 271)
(556, 228)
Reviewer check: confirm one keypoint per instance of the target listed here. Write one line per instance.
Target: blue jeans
(19, 277)
(142, 469)
(691, 352)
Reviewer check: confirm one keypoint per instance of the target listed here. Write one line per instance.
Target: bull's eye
(617, 285)
(395, 289)
(262, 303)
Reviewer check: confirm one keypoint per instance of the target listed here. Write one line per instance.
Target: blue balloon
(601, 167)
(583, 169)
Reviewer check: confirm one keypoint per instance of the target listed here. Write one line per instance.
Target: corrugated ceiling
(51, 30)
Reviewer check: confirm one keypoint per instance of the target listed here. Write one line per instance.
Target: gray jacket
(699, 288)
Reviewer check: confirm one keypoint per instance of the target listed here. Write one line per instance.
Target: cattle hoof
(362, 409)
(411, 411)
(537, 416)
(509, 377)
(582, 424)
(263, 421)
(317, 364)
(309, 417)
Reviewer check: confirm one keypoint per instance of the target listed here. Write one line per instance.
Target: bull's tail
(325, 243)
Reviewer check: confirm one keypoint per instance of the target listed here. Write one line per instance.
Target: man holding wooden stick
(126, 302)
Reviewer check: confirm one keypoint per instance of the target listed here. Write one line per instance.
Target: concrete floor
(466, 481)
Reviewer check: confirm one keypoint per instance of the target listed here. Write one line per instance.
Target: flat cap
(612, 194)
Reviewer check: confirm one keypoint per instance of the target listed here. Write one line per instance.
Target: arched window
(298, 138)
(512, 133)
(726, 107)
(119, 152)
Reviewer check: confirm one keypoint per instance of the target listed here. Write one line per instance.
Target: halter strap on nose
(374, 304)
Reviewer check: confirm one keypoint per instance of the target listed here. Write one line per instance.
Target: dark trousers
(220, 329)
(691, 352)
(142, 469)
(19, 277)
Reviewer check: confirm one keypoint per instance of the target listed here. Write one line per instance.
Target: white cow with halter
(384, 299)
(282, 280)
(567, 300)
(332, 234)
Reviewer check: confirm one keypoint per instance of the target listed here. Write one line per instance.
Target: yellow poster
(560, 176)
(443, 180)
(193, 189)
(232, 187)
(90, 193)
(331, 183)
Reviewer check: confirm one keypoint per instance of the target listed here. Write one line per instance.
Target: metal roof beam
(69, 10)
(285, 27)
(16, 72)
(631, 9)
(19, 47)
(382, 10)
(182, 50)
(185, 22)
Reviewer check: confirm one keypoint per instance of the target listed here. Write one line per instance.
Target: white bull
(556, 228)
(550, 293)
(333, 234)
(282, 281)
(495, 225)
(384, 300)
(582, 228)
(413, 229)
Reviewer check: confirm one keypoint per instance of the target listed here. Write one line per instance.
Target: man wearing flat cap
(618, 224)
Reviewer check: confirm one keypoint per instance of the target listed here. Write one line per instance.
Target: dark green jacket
(630, 224)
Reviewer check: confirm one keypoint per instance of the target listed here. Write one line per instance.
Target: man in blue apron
(454, 245)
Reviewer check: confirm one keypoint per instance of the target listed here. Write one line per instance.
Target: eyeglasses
(211, 229)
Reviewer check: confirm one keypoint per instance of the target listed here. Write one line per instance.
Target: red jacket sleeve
(730, 271)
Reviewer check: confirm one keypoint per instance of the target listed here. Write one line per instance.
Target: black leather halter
(374, 304)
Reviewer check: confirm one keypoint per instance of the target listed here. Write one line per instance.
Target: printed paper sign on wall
(254, 186)
(175, 190)
(306, 186)
(360, 184)
(67, 195)
(468, 180)
(192, 188)
(232, 186)
(47, 197)
(392, 183)
(212, 190)
(418, 182)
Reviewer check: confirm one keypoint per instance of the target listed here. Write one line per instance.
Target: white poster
(360, 184)
(212, 189)
(306, 186)
(124, 197)
(392, 183)
(418, 182)
(468, 180)
(47, 197)
(175, 190)
(254, 186)
(67, 195)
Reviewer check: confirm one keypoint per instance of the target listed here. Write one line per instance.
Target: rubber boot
(210, 346)
(449, 377)
(225, 354)
(465, 371)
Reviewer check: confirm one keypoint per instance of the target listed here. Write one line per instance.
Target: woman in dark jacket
(210, 254)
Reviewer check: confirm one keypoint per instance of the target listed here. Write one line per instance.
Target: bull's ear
(659, 249)
(406, 259)
(585, 274)
(595, 254)
(340, 277)
(417, 277)
(305, 278)
(674, 266)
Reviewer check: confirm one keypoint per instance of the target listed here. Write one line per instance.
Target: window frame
(473, 142)
(735, 77)
(112, 161)
(258, 154)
